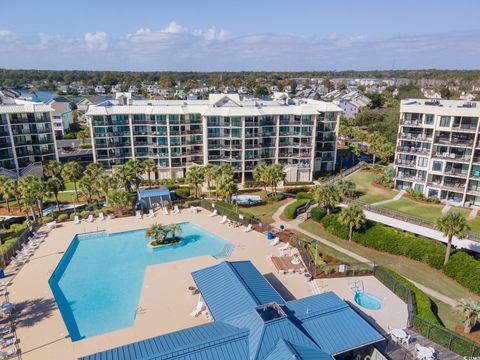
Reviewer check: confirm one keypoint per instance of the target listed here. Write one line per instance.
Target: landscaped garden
(367, 189)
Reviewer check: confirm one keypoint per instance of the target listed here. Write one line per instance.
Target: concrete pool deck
(165, 303)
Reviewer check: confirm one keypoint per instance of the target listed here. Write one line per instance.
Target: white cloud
(174, 28)
(7, 36)
(96, 41)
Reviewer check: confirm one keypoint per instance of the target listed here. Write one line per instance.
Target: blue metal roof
(210, 341)
(242, 288)
(146, 193)
(249, 327)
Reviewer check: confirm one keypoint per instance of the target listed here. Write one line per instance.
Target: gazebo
(150, 198)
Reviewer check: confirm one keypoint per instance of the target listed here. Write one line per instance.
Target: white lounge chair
(165, 211)
(214, 213)
(151, 213)
(287, 246)
(248, 228)
(17, 261)
(193, 209)
(76, 219)
(9, 353)
(8, 342)
(198, 309)
(275, 241)
(224, 219)
(138, 214)
(90, 218)
(176, 210)
(52, 224)
(6, 330)
(101, 216)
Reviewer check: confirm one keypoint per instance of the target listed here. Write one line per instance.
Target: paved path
(473, 213)
(295, 226)
(446, 209)
(395, 198)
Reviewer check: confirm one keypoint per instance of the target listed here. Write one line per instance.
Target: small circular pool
(368, 301)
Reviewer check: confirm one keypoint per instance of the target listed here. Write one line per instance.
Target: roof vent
(270, 312)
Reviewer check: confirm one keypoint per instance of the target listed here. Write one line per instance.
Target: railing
(305, 207)
(341, 175)
(440, 335)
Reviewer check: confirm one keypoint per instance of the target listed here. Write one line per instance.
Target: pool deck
(165, 303)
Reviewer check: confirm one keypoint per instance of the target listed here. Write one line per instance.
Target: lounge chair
(214, 213)
(8, 342)
(248, 228)
(287, 246)
(224, 219)
(275, 241)
(151, 213)
(165, 211)
(193, 209)
(101, 216)
(9, 353)
(90, 218)
(176, 210)
(4, 283)
(138, 214)
(52, 224)
(6, 330)
(17, 261)
(76, 219)
(198, 309)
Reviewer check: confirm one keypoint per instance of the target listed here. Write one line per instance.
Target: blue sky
(212, 35)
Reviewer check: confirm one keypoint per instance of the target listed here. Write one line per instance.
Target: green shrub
(294, 190)
(18, 228)
(294, 183)
(46, 219)
(278, 197)
(290, 212)
(62, 217)
(465, 269)
(304, 195)
(84, 214)
(318, 213)
(72, 216)
(183, 192)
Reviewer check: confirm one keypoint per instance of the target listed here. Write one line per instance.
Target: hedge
(318, 213)
(183, 192)
(304, 195)
(463, 268)
(290, 212)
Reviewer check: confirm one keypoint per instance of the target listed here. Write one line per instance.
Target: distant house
(152, 89)
(83, 104)
(467, 96)
(99, 89)
(62, 115)
(133, 89)
(63, 89)
(243, 90)
(351, 102)
(116, 88)
(431, 94)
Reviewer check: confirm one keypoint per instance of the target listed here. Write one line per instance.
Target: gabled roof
(241, 289)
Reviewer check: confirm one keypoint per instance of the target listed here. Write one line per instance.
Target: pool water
(97, 283)
(367, 300)
(247, 199)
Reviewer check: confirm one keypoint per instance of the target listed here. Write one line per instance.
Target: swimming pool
(247, 199)
(98, 281)
(367, 300)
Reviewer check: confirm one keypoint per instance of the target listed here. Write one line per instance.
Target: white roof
(13, 106)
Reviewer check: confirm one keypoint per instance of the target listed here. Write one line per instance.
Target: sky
(261, 35)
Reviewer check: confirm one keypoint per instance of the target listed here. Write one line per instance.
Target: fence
(340, 175)
(439, 334)
(223, 210)
(17, 244)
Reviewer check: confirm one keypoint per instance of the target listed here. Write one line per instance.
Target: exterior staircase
(304, 212)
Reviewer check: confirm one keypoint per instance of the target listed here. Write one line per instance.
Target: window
(429, 119)
(445, 121)
(419, 187)
(422, 161)
(437, 166)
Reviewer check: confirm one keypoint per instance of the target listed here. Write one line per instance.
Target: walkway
(295, 226)
(395, 198)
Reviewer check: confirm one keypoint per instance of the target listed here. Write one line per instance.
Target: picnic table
(287, 263)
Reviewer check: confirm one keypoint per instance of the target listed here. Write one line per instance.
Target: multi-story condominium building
(299, 134)
(438, 149)
(26, 136)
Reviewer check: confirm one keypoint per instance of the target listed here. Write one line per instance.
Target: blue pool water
(247, 199)
(368, 301)
(98, 282)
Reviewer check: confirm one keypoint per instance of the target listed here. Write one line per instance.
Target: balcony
(20, 131)
(454, 141)
(452, 156)
(410, 177)
(416, 137)
(413, 123)
(406, 163)
(464, 127)
(454, 186)
(413, 149)
(456, 173)
(4, 145)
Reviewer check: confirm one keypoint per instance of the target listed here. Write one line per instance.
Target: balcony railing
(413, 149)
(417, 137)
(454, 141)
(456, 173)
(411, 122)
(407, 163)
(452, 156)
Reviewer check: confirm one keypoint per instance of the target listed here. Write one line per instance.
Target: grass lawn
(413, 270)
(370, 194)
(475, 224)
(69, 186)
(265, 212)
(414, 208)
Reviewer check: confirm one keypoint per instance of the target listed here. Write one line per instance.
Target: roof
(146, 193)
(253, 322)
(242, 289)
(13, 106)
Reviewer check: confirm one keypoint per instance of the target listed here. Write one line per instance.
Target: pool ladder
(357, 284)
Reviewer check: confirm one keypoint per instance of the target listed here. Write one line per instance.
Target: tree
(72, 172)
(175, 229)
(119, 200)
(55, 185)
(353, 217)
(149, 166)
(16, 193)
(83, 135)
(227, 186)
(103, 183)
(53, 169)
(94, 170)
(211, 173)
(277, 174)
(346, 188)
(87, 187)
(260, 175)
(328, 196)
(452, 224)
(27, 189)
(121, 176)
(157, 232)
(471, 312)
(5, 190)
(195, 176)
(134, 170)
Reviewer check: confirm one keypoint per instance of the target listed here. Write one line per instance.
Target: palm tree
(16, 193)
(102, 184)
(346, 188)
(134, 170)
(94, 170)
(149, 166)
(211, 173)
(452, 224)
(5, 191)
(260, 175)
(175, 230)
(55, 185)
(277, 175)
(121, 176)
(471, 312)
(53, 169)
(26, 194)
(328, 196)
(87, 187)
(195, 177)
(353, 217)
(157, 232)
(119, 199)
(72, 172)
(83, 135)
(227, 186)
